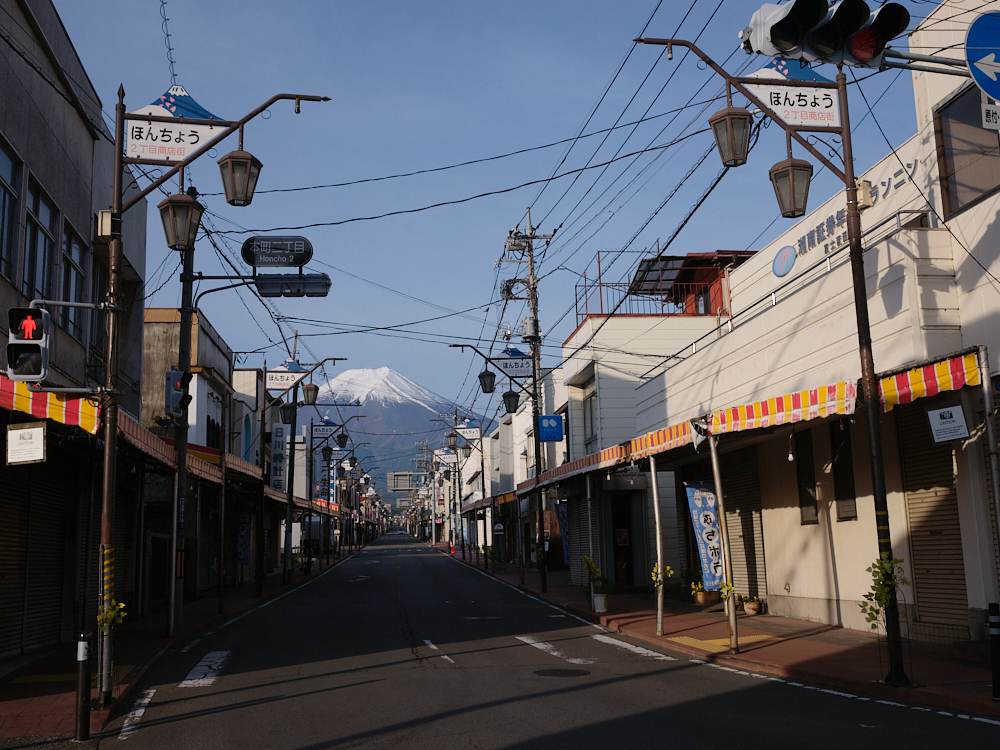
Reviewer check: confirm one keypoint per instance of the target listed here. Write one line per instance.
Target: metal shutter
(991, 498)
(576, 513)
(13, 549)
(741, 485)
(46, 549)
(932, 512)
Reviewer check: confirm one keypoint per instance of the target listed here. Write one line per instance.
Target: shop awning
(928, 380)
(661, 440)
(800, 406)
(604, 459)
(78, 412)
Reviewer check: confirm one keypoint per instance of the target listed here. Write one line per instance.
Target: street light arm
(737, 83)
(491, 361)
(233, 127)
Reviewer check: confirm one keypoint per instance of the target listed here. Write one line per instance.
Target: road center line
(431, 645)
(206, 672)
(132, 720)
(634, 649)
(550, 649)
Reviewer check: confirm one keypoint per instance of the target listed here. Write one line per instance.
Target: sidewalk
(39, 697)
(779, 646)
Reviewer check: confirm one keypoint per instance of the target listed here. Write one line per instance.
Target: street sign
(550, 429)
(282, 380)
(26, 443)
(515, 367)
(277, 251)
(469, 433)
(323, 430)
(982, 53)
(168, 141)
(796, 106)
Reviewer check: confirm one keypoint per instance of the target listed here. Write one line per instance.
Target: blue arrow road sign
(982, 52)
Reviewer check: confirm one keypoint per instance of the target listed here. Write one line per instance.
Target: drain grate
(561, 673)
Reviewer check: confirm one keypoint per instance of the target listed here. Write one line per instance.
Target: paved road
(402, 647)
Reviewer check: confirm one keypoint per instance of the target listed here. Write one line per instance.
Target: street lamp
(731, 128)
(181, 215)
(466, 451)
(511, 399)
(239, 175)
(452, 440)
(310, 392)
(791, 185)
(342, 439)
(488, 380)
(327, 452)
(287, 412)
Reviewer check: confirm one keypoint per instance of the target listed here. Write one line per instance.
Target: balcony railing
(620, 298)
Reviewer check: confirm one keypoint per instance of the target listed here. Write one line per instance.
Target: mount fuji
(397, 414)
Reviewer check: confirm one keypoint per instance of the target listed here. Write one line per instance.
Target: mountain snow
(382, 386)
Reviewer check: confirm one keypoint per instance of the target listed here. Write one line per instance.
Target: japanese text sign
(704, 515)
(166, 141)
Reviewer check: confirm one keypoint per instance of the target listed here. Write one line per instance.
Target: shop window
(842, 464)
(8, 211)
(39, 244)
(74, 274)
(805, 470)
(968, 153)
(590, 411)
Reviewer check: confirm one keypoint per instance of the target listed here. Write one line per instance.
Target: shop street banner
(705, 517)
(563, 519)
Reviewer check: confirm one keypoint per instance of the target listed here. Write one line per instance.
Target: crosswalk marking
(132, 720)
(206, 672)
(550, 649)
(634, 649)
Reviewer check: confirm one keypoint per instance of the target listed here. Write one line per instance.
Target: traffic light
(848, 32)
(27, 344)
(177, 397)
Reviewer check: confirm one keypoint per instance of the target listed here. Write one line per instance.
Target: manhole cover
(561, 673)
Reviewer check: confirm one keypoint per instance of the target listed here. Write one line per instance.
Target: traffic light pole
(896, 674)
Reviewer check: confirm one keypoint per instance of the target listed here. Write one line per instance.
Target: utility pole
(531, 335)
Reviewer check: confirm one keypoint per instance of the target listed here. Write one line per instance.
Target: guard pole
(734, 640)
(995, 647)
(659, 545)
(83, 686)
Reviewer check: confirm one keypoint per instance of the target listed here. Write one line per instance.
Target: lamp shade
(342, 439)
(511, 399)
(239, 177)
(310, 391)
(731, 128)
(353, 461)
(452, 439)
(327, 453)
(488, 381)
(447, 475)
(466, 451)
(181, 216)
(791, 185)
(287, 412)
(341, 472)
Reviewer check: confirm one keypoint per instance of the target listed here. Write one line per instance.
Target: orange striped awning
(836, 398)
(661, 440)
(72, 410)
(929, 380)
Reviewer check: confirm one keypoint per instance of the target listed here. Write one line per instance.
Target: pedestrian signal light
(28, 344)
(177, 397)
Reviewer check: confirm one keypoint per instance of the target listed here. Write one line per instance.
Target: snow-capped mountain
(397, 415)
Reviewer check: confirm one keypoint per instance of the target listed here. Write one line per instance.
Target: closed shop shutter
(577, 517)
(993, 505)
(13, 550)
(935, 536)
(741, 485)
(46, 552)
(87, 546)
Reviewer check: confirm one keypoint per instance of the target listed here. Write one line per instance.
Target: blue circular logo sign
(783, 261)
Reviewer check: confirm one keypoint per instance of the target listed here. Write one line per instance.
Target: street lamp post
(789, 184)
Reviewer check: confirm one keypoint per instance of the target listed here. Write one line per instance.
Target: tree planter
(751, 608)
(708, 598)
(600, 602)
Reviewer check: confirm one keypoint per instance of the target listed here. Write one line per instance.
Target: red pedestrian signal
(28, 362)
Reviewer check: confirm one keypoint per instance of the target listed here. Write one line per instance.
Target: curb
(919, 695)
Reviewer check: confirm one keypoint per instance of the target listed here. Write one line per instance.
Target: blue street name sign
(982, 53)
(550, 429)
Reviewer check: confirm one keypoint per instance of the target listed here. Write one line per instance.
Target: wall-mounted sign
(948, 424)
(783, 261)
(550, 429)
(277, 251)
(26, 443)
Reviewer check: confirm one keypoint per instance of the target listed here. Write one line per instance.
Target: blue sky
(428, 85)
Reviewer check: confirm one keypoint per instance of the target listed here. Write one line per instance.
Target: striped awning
(71, 410)
(661, 440)
(825, 401)
(928, 380)
(145, 440)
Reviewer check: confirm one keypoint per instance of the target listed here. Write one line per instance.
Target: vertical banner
(563, 529)
(705, 517)
(243, 537)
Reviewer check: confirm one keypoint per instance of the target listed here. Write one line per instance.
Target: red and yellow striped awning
(661, 440)
(836, 398)
(929, 380)
(72, 410)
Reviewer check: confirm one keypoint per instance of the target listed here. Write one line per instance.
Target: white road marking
(481, 618)
(132, 720)
(634, 649)
(191, 645)
(550, 649)
(431, 645)
(447, 658)
(206, 672)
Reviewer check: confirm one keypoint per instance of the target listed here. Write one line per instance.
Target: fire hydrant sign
(25, 443)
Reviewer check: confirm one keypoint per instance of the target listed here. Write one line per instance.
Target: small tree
(887, 577)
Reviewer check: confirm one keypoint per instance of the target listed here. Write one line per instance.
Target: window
(74, 274)
(8, 211)
(590, 411)
(843, 471)
(968, 154)
(805, 470)
(39, 244)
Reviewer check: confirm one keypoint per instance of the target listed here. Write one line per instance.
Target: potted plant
(598, 585)
(751, 605)
(704, 597)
